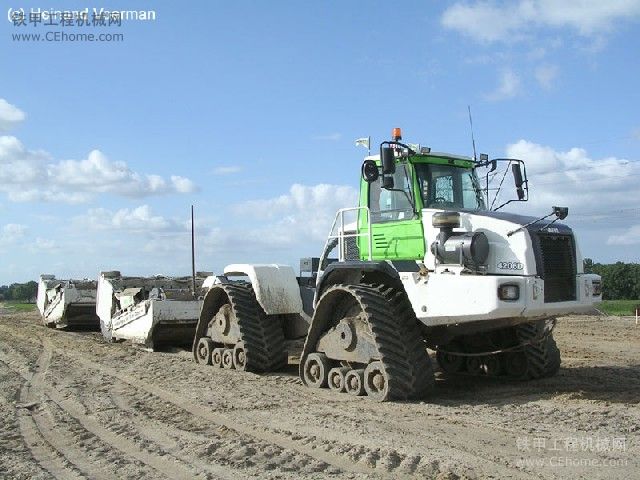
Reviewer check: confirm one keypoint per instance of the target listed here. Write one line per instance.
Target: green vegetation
(619, 307)
(25, 292)
(620, 281)
(19, 306)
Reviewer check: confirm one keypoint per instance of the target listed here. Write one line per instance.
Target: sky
(249, 111)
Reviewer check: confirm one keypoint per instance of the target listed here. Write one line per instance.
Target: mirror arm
(403, 145)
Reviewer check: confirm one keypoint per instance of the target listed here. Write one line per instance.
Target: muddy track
(77, 407)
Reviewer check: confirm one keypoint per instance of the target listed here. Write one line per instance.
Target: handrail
(341, 236)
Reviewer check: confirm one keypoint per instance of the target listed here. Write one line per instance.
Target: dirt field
(74, 407)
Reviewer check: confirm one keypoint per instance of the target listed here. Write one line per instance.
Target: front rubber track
(400, 346)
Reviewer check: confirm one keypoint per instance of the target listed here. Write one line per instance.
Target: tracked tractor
(426, 261)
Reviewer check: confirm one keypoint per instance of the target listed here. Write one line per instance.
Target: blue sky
(249, 110)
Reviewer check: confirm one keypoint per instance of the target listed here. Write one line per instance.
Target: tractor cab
(396, 201)
(406, 181)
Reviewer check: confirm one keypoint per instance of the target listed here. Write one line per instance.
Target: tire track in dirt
(377, 461)
(35, 389)
(37, 439)
(239, 455)
(465, 421)
(16, 458)
(200, 411)
(231, 424)
(348, 457)
(186, 437)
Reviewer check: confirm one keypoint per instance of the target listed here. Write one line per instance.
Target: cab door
(396, 228)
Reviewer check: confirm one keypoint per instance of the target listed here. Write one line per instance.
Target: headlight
(509, 292)
(596, 288)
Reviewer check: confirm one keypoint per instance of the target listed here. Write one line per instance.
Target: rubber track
(422, 367)
(263, 337)
(543, 357)
(395, 346)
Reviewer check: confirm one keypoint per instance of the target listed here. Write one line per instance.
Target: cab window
(391, 205)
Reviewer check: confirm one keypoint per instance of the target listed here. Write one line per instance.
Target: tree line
(620, 281)
(24, 292)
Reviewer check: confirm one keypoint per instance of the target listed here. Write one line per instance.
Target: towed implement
(426, 261)
(67, 303)
(154, 311)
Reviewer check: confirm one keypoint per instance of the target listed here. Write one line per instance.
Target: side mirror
(561, 212)
(388, 160)
(387, 182)
(370, 171)
(494, 165)
(517, 176)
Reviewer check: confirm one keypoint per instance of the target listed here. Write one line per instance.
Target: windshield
(449, 187)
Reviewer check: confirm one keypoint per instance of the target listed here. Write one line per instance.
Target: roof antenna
(473, 141)
(193, 257)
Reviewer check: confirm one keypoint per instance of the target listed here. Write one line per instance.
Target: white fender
(275, 286)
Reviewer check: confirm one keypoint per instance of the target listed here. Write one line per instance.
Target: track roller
(227, 358)
(216, 357)
(316, 370)
(203, 351)
(376, 382)
(239, 357)
(354, 382)
(336, 378)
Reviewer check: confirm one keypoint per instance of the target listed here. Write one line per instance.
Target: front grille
(556, 262)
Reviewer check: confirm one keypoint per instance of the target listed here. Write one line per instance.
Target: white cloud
(546, 75)
(482, 21)
(11, 233)
(10, 115)
(44, 244)
(572, 178)
(136, 220)
(297, 218)
(277, 229)
(630, 237)
(492, 21)
(331, 137)
(227, 170)
(32, 175)
(508, 87)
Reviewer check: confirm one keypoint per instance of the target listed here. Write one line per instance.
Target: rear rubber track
(262, 336)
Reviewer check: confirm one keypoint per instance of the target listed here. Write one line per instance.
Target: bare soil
(72, 406)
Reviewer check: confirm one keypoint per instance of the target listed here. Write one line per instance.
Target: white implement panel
(65, 303)
(149, 311)
(275, 286)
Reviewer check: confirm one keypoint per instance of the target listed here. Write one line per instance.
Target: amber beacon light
(396, 134)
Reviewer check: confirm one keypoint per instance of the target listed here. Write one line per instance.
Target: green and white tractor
(423, 263)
